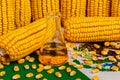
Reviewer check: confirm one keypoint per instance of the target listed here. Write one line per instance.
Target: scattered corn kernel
(95, 70)
(117, 46)
(113, 44)
(117, 57)
(89, 62)
(1, 66)
(111, 58)
(71, 63)
(27, 58)
(34, 66)
(97, 46)
(40, 69)
(62, 67)
(77, 79)
(26, 66)
(47, 67)
(104, 52)
(118, 64)
(2, 73)
(40, 65)
(117, 52)
(94, 58)
(58, 74)
(80, 66)
(93, 53)
(50, 71)
(68, 69)
(21, 61)
(72, 73)
(99, 66)
(107, 43)
(75, 56)
(32, 59)
(45, 79)
(16, 77)
(16, 68)
(38, 76)
(115, 68)
(28, 75)
(95, 78)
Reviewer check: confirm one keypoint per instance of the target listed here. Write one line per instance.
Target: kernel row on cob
(98, 8)
(23, 41)
(72, 8)
(40, 8)
(6, 16)
(22, 12)
(92, 29)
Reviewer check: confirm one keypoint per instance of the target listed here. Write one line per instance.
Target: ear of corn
(40, 8)
(73, 8)
(92, 29)
(23, 41)
(22, 12)
(6, 16)
(99, 8)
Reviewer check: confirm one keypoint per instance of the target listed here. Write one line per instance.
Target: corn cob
(90, 29)
(114, 10)
(40, 8)
(22, 12)
(98, 8)
(23, 41)
(72, 8)
(6, 16)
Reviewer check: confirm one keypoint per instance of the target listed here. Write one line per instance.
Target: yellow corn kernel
(117, 57)
(32, 59)
(1, 66)
(16, 77)
(62, 67)
(115, 68)
(93, 53)
(28, 75)
(16, 68)
(21, 61)
(26, 66)
(34, 66)
(40, 69)
(95, 70)
(111, 58)
(71, 63)
(2, 73)
(104, 52)
(68, 69)
(38, 76)
(99, 66)
(117, 52)
(47, 67)
(94, 57)
(95, 78)
(27, 58)
(118, 64)
(80, 66)
(50, 71)
(113, 44)
(45, 79)
(77, 79)
(89, 62)
(117, 46)
(107, 43)
(72, 73)
(97, 46)
(40, 65)
(106, 49)
(58, 74)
